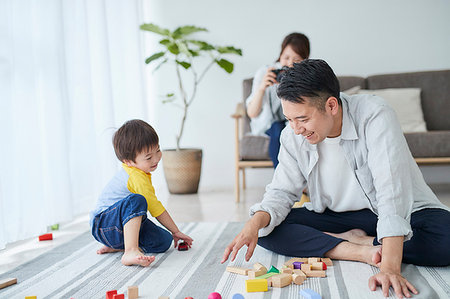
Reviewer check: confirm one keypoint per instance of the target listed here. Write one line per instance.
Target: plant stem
(186, 105)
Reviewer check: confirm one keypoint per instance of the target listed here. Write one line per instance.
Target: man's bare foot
(106, 249)
(357, 236)
(136, 257)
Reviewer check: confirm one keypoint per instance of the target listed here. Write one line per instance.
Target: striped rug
(75, 270)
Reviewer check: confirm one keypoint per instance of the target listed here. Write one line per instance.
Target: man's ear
(333, 104)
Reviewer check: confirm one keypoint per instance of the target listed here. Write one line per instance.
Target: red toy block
(110, 294)
(119, 296)
(46, 237)
(183, 246)
(214, 295)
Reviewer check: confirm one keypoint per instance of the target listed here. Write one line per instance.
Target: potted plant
(182, 167)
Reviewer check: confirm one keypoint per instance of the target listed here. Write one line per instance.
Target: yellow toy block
(256, 285)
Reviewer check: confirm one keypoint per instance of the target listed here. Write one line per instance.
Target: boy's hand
(180, 236)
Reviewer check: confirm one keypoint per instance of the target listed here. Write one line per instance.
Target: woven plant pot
(182, 170)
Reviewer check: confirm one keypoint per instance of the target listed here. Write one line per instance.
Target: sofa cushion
(435, 93)
(406, 104)
(429, 144)
(254, 148)
(347, 82)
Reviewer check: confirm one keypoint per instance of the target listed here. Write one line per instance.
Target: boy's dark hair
(312, 78)
(299, 43)
(132, 138)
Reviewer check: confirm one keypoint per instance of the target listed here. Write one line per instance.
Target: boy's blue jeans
(108, 226)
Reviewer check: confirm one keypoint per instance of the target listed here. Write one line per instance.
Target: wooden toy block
(298, 279)
(281, 280)
(287, 270)
(269, 281)
(110, 294)
(315, 273)
(30, 297)
(295, 259)
(256, 285)
(318, 266)
(7, 282)
(46, 237)
(273, 270)
(163, 297)
(119, 296)
(309, 294)
(252, 274)
(133, 292)
(259, 267)
(313, 260)
(327, 261)
(238, 270)
(299, 272)
(297, 265)
(306, 267)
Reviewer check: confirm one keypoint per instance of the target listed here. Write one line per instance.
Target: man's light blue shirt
(377, 152)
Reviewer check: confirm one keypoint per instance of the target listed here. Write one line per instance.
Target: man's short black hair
(312, 78)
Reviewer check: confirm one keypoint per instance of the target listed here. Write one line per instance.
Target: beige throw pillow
(406, 104)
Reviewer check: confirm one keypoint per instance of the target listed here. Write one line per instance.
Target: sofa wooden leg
(237, 185)
(243, 179)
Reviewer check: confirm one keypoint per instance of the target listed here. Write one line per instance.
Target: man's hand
(401, 286)
(248, 236)
(180, 236)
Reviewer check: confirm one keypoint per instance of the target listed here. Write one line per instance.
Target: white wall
(355, 37)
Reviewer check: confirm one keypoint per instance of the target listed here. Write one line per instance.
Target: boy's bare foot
(136, 257)
(357, 236)
(106, 249)
(376, 256)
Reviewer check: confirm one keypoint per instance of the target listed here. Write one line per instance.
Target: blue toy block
(309, 294)
(238, 296)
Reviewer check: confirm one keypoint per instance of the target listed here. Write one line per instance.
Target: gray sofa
(429, 147)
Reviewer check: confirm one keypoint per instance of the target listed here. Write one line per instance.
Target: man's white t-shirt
(337, 182)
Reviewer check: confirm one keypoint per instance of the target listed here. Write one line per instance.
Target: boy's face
(147, 160)
(315, 125)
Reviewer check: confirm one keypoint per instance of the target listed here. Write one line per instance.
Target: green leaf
(155, 29)
(154, 57)
(226, 65)
(186, 30)
(170, 97)
(183, 48)
(184, 64)
(173, 48)
(194, 53)
(165, 42)
(229, 50)
(204, 46)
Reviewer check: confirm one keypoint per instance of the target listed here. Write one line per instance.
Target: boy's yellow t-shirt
(128, 180)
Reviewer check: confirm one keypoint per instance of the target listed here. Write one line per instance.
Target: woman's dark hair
(299, 43)
(132, 138)
(312, 78)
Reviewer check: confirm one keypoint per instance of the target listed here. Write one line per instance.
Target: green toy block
(55, 226)
(267, 275)
(273, 270)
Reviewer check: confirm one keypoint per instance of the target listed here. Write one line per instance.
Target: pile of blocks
(295, 270)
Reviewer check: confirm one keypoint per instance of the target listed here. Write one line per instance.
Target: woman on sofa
(263, 104)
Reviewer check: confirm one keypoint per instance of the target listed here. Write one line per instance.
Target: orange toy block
(327, 261)
(281, 280)
(133, 292)
(238, 270)
(46, 237)
(7, 282)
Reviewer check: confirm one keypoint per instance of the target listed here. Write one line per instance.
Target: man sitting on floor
(369, 201)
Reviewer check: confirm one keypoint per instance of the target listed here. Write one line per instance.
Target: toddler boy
(119, 220)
